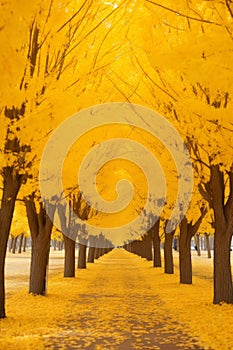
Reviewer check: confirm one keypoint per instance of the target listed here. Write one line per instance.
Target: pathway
(119, 311)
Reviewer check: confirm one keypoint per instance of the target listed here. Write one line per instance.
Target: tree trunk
(207, 240)
(91, 255)
(220, 198)
(69, 266)
(20, 243)
(134, 248)
(54, 244)
(187, 231)
(24, 244)
(82, 256)
(154, 232)
(223, 291)
(168, 257)
(178, 244)
(14, 244)
(69, 242)
(175, 243)
(146, 247)
(185, 261)
(97, 253)
(11, 185)
(223, 214)
(39, 264)
(197, 243)
(40, 226)
(127, 247)
(11, 243)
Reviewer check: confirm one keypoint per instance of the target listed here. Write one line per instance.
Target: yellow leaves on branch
(174, 57)
(194, 64)
(19, 223)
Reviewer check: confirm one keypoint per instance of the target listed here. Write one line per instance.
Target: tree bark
(187, 231)
(54, 244)
(223, 214)
(11, 243)
(146, 247)
(185, 261)
(20, 243)
(91, 255)
(168, 256)
(134, 249)
(14, 244)
(82, 251)
(11, 185)
(97, 253)
(100, 252)
(178, 244)
(207, 239)
(197, 243)
(24, 244)
(69, 265)
(69, 242)
(39, 264)
(154, 232)
(40, 227)
(221, 200)
(223, 291)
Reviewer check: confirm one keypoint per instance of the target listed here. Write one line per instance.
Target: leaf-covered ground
(120, 302)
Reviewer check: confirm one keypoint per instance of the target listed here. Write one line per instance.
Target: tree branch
(32, 215)
(205, 193)
(194, 228)
(182, 15)
(217, 184)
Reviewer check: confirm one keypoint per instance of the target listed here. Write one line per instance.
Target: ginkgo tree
(48, 69)
(196, 72)
(60, 81)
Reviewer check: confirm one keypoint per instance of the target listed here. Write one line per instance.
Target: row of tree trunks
(14, 244)
(21, 245)
(58, 244)
(206, 244)
(142, 247)
(69, 265)
(197, 244)
(187, 231)
(100, 252)
(21, 237)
